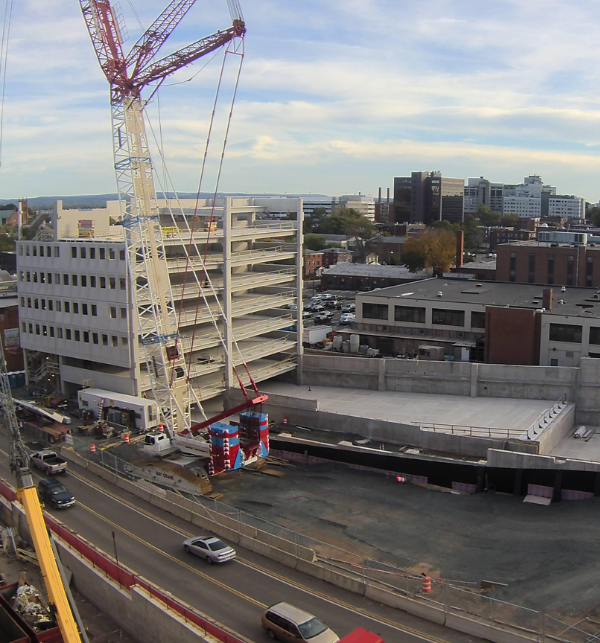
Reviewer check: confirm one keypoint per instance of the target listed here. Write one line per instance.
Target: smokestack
(379, 195)
(547, 298)
(460, 248)
(388, 196)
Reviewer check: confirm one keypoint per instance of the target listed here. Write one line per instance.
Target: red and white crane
(153, 301)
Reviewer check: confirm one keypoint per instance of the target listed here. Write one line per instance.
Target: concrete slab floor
(487, 412)
(580, 449)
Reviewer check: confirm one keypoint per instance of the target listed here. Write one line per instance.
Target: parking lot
(332, 309)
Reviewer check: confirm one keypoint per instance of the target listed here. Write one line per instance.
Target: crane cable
(3, 63)
(192, 243)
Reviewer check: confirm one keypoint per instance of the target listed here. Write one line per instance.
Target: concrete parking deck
(419, 408)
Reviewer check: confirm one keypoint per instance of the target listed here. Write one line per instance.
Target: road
(148, 541)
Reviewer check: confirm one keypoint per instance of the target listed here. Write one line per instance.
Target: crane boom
(27, 495)
(148, 270)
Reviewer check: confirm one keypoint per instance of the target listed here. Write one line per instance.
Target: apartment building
(75, 301)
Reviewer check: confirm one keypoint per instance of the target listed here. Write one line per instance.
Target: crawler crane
(28, 497)
(153, 301)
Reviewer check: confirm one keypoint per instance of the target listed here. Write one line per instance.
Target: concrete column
(227, 321)
(382, 363)
(518, 482)
(474, 379)
(299, 285)
(557, 493)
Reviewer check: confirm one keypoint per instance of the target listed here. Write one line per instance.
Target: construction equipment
(27, 495)
(153, 301)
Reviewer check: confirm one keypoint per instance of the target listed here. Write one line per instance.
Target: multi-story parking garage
(75, 304)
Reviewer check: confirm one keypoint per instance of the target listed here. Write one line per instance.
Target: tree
(510, 220)
(363, 231)
(593, 215)
(313, 222)
(444, 225)
(473, 235)
(487, 216)
(434, 249)
(315, 242)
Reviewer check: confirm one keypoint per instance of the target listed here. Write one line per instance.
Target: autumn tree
(434, 249)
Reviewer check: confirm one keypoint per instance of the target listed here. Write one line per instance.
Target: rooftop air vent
(440, 293)
(563, 289)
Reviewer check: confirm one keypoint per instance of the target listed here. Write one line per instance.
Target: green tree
(510, 220)
(315, 242)
(487, 216)
(363, 231)
(445, 225)
(434, 249)
(593, 215)
(312, 223)
(473, 235)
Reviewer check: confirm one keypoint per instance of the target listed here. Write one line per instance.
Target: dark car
(321, 288)
(53, 492)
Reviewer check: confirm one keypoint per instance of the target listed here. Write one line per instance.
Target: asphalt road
(149, 541)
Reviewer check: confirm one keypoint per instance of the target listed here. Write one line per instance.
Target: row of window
(416, 315)
(85, 281)
(570, 281)
(573, 334)
(81, 252)
(76, 335)
(74, 307)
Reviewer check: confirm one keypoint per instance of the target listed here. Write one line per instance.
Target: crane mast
(140, 216)
(27, 495)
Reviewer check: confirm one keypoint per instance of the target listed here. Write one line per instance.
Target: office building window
(84, 309)
(565, 333)
(76, 308)
(59, 307)
(59, 332)
(41, 251)
(56, 251)
(51, 331)
(94, 310)
(86, 336)
(49, 277)
(95, 338)
(73, 280)
(124, 341)
(531, 273)
(92, 281)
(570, 265)
(68, 334)
(112, 283)
(50, 304)
(122, 255)
(102, 282)
(123, 313)
(589, 272)
(77, 336)
(411, 314)
(115, 341)
(122, 284)
(113, 312)
(65, 280)
(104, 340)
(84, 281)
(102, 253)
(67, 307)
(375, 311)
(92, 253)
(550, 269)
(111, 253)
(595, 335)
(447, 317)
(82, 252)
(512, 274)
(73, 252)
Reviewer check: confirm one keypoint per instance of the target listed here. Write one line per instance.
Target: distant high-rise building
(425, 197)
(363, 203)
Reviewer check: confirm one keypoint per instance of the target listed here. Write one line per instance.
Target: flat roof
(373, 270)
(577, 301)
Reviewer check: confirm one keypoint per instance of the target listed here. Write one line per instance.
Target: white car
(210, 548)
(347, 318)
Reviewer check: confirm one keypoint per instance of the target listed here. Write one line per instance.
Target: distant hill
(99, 200)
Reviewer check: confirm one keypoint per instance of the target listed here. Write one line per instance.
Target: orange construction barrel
(426, 585)
(93, 447)
(126, 438)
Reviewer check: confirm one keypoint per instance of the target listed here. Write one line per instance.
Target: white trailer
(136, 413)
(316, 334)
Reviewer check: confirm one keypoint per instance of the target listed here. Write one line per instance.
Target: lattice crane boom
(151, 289)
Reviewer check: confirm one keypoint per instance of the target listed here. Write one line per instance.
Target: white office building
(567, 207)
(75, 302)
(365, 204)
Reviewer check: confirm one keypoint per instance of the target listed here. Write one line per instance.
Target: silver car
(210, 548)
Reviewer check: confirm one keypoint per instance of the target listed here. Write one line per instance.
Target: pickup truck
(49, 462)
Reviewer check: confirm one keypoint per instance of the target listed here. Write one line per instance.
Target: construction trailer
(135, 413)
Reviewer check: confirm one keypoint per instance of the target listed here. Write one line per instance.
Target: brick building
(333, 256)
(312, 262)
(361, 276)
(499, 323)
(560, 264)
(508, 235)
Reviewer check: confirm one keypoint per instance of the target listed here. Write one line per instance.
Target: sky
(334, 97)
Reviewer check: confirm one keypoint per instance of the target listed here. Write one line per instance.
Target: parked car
(307, 305)
(288, 623)
(317, 308)
(323, 318)
(347, 318)
(293, 306)
(348, 308)
(210, 548)
(321, 288)
(306, 314)
(53, 492)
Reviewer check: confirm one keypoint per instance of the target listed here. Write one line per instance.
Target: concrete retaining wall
(135, 610)
(560, 427)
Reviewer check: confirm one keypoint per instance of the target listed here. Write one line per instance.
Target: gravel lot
(548, 556)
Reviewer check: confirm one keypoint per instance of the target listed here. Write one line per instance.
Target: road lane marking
(348, 606)
(271, 574)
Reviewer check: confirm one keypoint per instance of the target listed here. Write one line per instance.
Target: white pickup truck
(49, 462)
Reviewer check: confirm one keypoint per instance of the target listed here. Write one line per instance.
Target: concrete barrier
(416, 608)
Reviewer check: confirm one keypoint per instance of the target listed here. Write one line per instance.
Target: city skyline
(334, 98)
